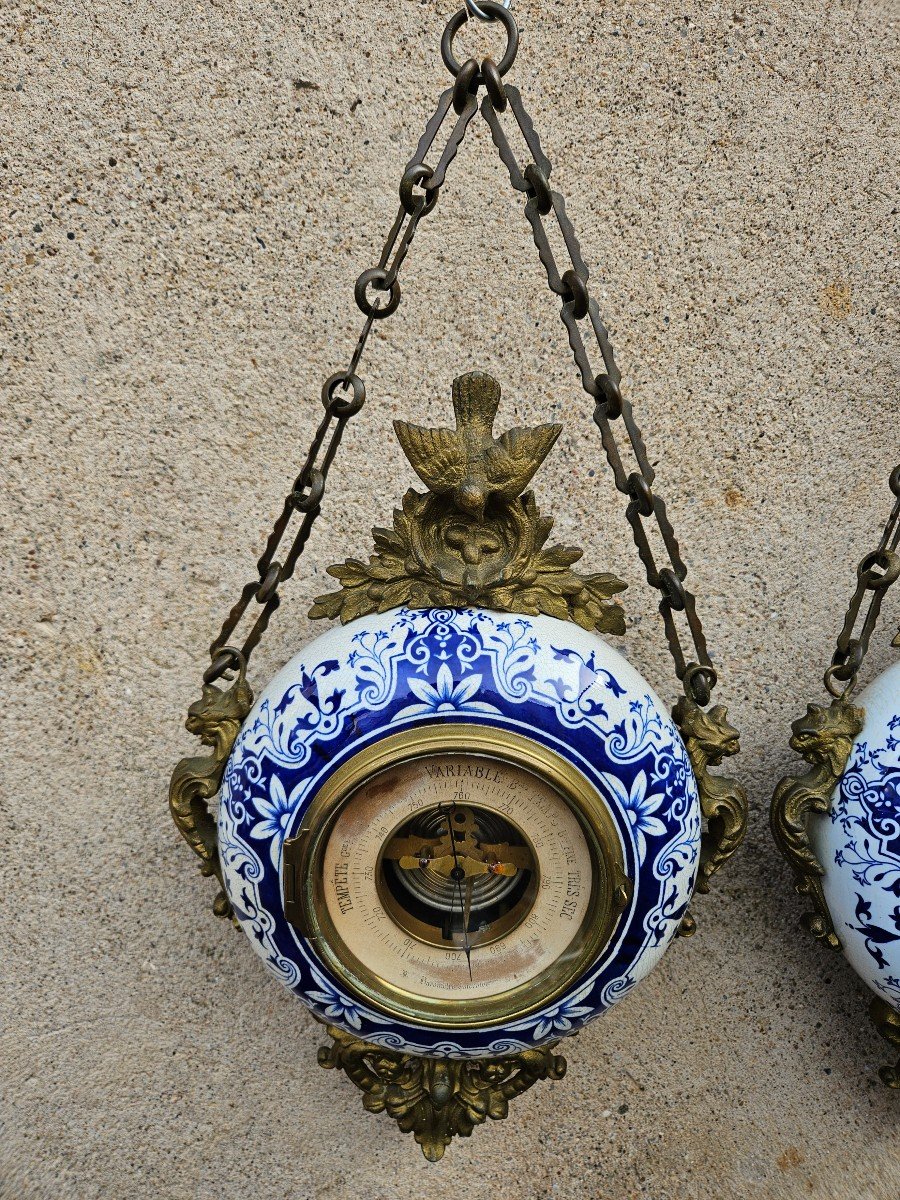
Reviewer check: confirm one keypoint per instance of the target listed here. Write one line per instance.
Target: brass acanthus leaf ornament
(437, 1099)
(215, 719)
(474, 537)
(708, 739)
(824, 738)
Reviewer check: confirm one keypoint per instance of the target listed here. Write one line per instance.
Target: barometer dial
(455, 882)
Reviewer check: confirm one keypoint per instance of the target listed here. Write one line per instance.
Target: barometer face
(423, 794)
(470, 879)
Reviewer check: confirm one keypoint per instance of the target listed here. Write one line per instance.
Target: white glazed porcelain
(545, 678)
(858, 844)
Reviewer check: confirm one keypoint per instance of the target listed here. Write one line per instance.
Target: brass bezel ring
(611, 889)
(495, 12)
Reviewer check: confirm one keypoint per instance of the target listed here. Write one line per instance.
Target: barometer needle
(467, 908)
(458, 875)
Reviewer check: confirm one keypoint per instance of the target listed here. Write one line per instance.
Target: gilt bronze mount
(823, 738)
(437, 1099)
(476, 536)
(216, 719)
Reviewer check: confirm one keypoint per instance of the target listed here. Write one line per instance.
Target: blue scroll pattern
(540, 676)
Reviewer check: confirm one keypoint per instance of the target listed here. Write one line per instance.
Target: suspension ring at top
(495, 12)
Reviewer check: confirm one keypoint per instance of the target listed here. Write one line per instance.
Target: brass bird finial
(476, 537)
(470, 462)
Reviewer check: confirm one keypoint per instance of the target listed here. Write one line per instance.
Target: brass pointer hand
(458, 875)
(444, 864)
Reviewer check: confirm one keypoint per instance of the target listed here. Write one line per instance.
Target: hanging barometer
(838, 824)
(459, 825)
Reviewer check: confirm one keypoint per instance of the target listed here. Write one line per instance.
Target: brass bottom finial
(437, 1099)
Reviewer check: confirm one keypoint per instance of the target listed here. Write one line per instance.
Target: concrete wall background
(189, 191)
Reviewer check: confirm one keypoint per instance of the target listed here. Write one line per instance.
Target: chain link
(344, 393)
(875, 574)
(611, 407)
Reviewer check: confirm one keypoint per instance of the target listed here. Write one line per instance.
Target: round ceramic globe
(858, 843)
(544, 680)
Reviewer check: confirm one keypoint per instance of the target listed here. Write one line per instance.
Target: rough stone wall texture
(189, 191)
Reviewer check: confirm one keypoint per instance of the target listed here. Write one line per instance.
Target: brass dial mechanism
(456, 875)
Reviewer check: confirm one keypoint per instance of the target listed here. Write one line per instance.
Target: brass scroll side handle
(215, 719)
(824, 738)
(708, 739)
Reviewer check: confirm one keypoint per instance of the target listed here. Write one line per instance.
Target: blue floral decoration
(276, 812)
(445, 695)
(864, 843)
(556, 683)
(639, 807)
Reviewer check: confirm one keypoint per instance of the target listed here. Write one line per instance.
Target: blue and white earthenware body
(538, 676)
(858, 843)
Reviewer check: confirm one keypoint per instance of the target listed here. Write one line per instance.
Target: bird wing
(436, 455)
(517, 455)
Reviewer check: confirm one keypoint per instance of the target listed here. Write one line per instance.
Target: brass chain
(875, 574)
(344, 393)
(571, 285)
